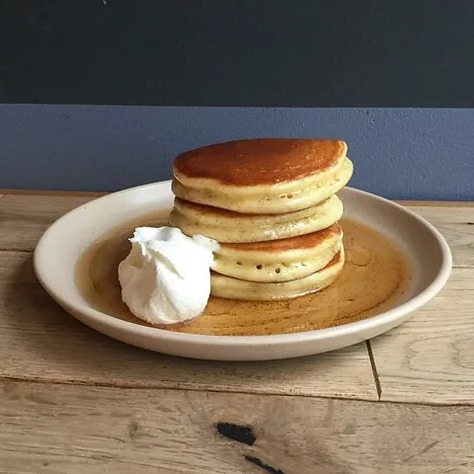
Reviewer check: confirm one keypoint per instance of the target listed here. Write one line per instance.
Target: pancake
(267, 200)
(279, 260)
(233, 288)
(232, 227)
(272, 206)
(262, 161)
(262, 175)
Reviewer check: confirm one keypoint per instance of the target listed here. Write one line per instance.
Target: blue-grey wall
(398, 153)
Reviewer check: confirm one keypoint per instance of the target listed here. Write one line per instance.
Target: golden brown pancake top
(300, 242)
(260, 161)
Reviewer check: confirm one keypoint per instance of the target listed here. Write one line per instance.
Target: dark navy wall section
(398, 153)
(269, 53)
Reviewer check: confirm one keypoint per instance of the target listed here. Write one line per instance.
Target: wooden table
(75, 401)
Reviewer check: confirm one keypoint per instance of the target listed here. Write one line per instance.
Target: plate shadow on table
(48, 343)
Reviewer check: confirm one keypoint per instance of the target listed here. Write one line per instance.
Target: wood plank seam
(83, 383)
(46, 383)
(373, 365)
(15, 250)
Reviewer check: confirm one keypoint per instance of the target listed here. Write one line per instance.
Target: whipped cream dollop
(166, 278)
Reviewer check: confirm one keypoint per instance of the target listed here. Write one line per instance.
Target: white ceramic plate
(65, 241)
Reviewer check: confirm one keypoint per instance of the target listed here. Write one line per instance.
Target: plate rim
(382, 319)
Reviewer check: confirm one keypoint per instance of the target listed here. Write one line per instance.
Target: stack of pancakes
(271, 204)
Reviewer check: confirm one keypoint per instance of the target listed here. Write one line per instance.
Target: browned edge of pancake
(218, 211)
(304, 241)
(262, 161)
(206, 209)
(335, 261)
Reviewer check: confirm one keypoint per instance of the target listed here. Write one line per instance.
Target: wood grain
(60, 428)
(430, 358)
(457, 226)
(39, 341)
(24, 218)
